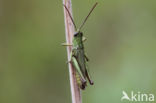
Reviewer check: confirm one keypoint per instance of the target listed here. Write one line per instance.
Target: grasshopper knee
(91, 82)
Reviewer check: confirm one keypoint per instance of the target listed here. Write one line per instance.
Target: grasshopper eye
(76, 34)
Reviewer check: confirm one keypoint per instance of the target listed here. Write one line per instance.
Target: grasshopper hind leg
(82, 81)
(88, 77)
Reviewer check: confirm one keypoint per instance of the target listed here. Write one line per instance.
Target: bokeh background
(121, 47)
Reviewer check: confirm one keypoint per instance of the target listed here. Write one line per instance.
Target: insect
(78, 57)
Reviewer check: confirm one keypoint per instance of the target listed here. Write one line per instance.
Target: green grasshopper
(78, 57)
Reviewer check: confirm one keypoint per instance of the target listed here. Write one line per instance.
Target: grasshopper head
(77, 39)
(78, 34)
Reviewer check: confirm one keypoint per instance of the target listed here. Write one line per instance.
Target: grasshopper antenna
(70, 17)
(88, 16)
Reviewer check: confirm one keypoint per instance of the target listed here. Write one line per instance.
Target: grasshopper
(78, 57)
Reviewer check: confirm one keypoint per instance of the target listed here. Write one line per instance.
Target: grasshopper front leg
(84, 39)
(66, 44)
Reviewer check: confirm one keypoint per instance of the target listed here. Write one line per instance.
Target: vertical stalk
(69, 29)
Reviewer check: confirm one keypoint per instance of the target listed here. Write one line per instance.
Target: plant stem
(69, 29)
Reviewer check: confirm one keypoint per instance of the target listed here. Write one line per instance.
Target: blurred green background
(121, 47)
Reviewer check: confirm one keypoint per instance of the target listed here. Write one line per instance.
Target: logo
(137, 96)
